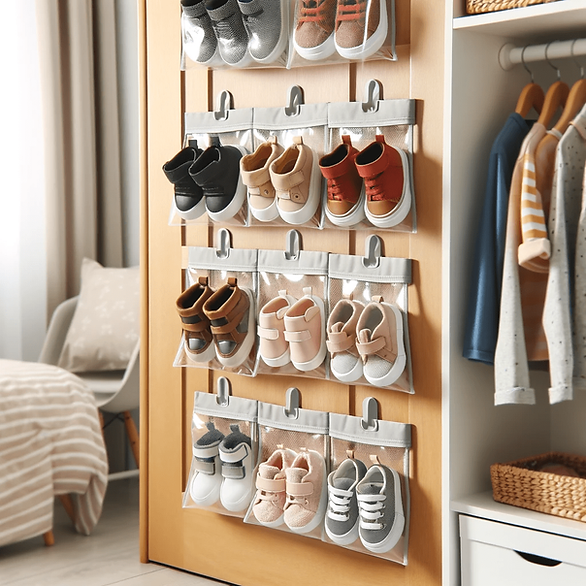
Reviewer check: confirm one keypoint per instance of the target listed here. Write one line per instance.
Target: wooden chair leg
(49, 538)
(132, 435)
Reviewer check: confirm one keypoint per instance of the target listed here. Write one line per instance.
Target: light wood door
(223, 547)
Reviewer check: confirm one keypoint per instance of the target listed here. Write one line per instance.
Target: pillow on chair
(105, 326)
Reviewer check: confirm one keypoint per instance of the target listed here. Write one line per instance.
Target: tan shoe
(346, 364)
(306, 492)
(313, 38)
(273, 348)
(196, 325)
(231, 314)
(305, 332)
(361, 27)
(380, 342)
(254, 170)
(297, 179)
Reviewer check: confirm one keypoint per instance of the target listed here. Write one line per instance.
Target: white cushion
(105, 326)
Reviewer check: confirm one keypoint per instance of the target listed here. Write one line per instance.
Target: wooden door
(224, 547)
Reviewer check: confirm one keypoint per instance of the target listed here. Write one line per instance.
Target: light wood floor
(108, 556)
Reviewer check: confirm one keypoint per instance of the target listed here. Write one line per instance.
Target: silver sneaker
(267, 23)
(232, 36)
(199, 40)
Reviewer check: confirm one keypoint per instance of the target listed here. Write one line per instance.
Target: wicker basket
(520, 484)
(481, 6)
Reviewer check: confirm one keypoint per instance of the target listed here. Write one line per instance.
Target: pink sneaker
(380, 342)
(346, 364)
(269, 501)
(274, 349)
(305, 332)
(306, 492)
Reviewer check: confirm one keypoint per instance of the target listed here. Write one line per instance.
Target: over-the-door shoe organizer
(337, 165)
(318, 315)
(285, 33)
(338, 478)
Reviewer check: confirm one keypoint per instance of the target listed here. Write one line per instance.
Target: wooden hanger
(556, 95)
(531, 97)
(574, 103)
(555, 98)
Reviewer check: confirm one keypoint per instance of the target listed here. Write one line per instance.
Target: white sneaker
(205, 484)
(237, 463)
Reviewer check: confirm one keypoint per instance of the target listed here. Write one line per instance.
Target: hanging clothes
(482, 318)
(512, 383)
(580, 291)
(564, 223)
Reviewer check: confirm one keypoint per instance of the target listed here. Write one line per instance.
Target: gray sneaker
(342, 515)
(232, 36)
(382, 519)
(199, 41)
(267, 23)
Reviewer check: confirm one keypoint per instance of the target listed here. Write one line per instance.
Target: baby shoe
(270, 498)
(231, 313)
(199, 40)
(226, 20)
(361, 27)
(296, 178)
(267, 25)
(313, 38)
(346, 364)
(205, 484)
(237, 465)
(273, 347)
(341, 522)
(306, 488)
(305, 331)
(345, 205)
(254, 170)
(217, 172)
(188, 198)
(385, 170)
(196, 325)
(382, 518)
(380, 342)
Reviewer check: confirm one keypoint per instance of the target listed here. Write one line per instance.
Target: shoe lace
(268, 496)
(371, 507)
(296, 500)
(351, 10)
(339, 504)
(312, 10)
(335, 190)
(375, 191)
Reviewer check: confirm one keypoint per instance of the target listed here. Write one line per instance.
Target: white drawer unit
(497, 554)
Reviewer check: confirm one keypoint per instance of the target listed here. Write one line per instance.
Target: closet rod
(511, 55)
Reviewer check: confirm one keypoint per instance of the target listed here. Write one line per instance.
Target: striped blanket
(50, 444)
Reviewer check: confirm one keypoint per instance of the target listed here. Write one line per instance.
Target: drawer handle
(537, 559)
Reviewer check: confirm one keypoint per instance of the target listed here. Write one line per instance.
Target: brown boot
(231, 313)
(196, 326)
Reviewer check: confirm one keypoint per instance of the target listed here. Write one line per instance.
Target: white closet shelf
(482, 505)
(557, 20)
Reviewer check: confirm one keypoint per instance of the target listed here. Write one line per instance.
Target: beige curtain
(77, 44)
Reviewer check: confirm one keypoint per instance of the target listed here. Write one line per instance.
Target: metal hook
(576, 61)
(525, 64)
(550, 63)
